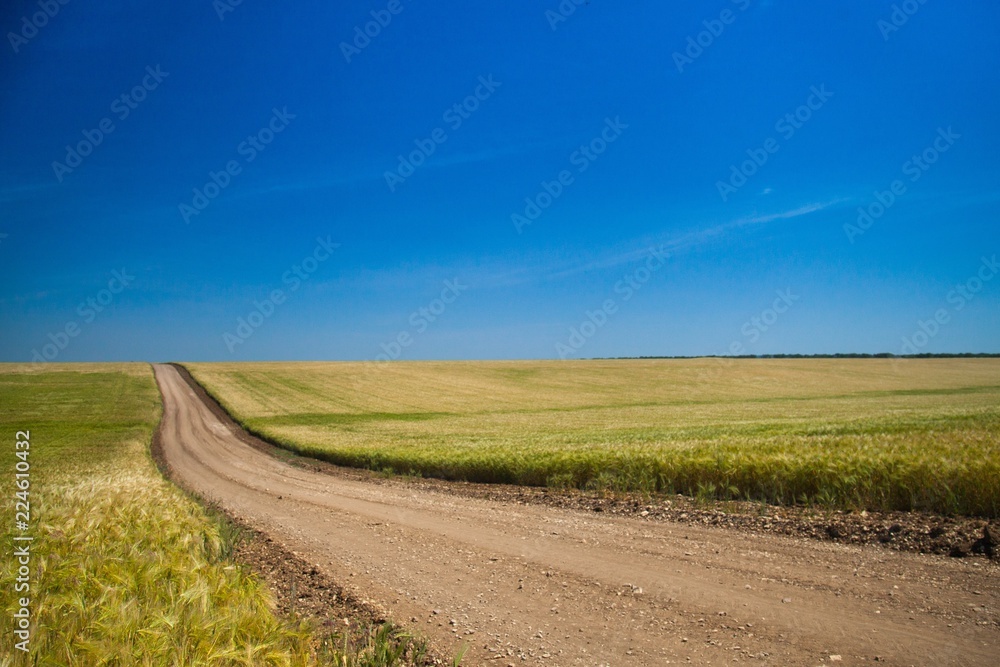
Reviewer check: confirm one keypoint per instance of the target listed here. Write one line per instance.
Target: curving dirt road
(531, 585)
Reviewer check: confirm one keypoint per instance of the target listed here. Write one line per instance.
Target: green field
(125, 569)
(866, 433)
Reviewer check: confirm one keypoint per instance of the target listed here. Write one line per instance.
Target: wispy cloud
(692, 239)
(702, 236)
(507, 272)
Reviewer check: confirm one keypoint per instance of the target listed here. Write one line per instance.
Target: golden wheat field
(918, 434)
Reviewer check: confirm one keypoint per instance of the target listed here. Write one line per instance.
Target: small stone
(986, 545)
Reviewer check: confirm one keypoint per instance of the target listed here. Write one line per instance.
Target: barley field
(125, 569)
(914, 434)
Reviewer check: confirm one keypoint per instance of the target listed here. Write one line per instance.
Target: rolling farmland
(501, 581)
(126, 565)
(876, 434)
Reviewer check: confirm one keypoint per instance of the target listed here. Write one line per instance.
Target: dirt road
(530, 585)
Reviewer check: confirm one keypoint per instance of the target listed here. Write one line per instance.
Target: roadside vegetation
(879, 434)
(126, 569)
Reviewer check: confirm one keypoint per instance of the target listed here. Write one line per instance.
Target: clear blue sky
(663, 123)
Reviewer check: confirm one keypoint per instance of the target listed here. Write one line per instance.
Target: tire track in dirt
(526, 584)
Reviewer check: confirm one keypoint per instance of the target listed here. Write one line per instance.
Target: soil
(532, 576)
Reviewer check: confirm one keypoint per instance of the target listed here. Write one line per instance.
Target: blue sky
(623, 123)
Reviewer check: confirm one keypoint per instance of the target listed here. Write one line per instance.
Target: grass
(126, 569)
(872, 433)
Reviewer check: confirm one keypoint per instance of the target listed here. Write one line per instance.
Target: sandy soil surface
(529, 584)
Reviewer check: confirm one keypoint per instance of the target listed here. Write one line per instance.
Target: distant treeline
(848, 355)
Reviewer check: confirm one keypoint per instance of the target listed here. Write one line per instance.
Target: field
(126, 569)
(874, 434)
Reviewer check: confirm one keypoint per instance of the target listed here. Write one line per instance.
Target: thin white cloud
(694, 239)
(497, 272)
